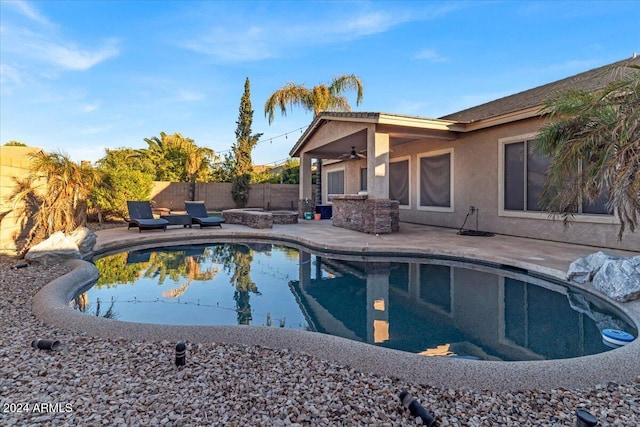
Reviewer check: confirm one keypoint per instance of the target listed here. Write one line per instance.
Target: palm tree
(196, 160)
(594, 143)
(56, 194)
(177, 158)
(319, 98)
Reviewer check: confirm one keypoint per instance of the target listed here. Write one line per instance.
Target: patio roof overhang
(330, 135)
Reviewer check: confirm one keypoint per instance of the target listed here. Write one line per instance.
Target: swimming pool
(427, 306)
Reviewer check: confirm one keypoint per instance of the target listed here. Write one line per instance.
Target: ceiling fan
(353, 154)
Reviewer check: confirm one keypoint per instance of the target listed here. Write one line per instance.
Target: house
(437, 171)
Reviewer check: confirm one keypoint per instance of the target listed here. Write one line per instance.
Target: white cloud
(430, 55)
(74, 58)
(370, 23)
(29, 44)
(9, 74)
(29, 11)
(93, 130)
(273, 38)
(88, 108)
(248, 45)
(188, 95)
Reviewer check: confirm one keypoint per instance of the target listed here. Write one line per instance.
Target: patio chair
(198, 213)
(140, 216)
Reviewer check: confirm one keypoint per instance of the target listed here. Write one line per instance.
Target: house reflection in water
(437, 307)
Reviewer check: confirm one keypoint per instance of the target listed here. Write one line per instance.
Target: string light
(271, 138)
(268, 315)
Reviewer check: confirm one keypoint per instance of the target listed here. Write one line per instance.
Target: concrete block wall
(217, 195)
(14, 163)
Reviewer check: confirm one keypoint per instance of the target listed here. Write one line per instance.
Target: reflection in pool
(427, 306)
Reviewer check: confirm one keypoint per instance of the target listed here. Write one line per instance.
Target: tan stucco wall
(476, 181)
(14, 163)
(351, 176)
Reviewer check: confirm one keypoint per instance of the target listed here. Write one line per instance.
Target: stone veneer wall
(359, 213)
(253, 218)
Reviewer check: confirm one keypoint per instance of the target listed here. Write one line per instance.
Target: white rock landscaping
(615, 276)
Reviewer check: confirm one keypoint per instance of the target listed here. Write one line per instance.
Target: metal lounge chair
(198, 213)
(140, 216)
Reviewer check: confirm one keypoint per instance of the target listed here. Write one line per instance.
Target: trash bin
(324, 211)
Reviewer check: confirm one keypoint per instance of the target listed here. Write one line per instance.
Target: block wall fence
(217, 195)
(14, 164)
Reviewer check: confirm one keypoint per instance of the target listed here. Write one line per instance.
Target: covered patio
(364, 141)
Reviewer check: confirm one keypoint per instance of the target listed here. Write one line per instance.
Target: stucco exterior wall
(476, 183)
(351, 176)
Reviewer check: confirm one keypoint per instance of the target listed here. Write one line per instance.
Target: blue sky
(82, 76)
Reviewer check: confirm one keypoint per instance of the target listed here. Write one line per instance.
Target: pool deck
(548, 258)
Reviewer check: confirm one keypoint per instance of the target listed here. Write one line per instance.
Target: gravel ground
(96, 382)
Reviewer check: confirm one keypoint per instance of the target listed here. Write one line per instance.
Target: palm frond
(599, 130)
(342, 83)
(291, 94)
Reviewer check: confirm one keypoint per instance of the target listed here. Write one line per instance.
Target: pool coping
(621, 365)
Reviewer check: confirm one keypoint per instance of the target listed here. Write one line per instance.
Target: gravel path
(96, 382)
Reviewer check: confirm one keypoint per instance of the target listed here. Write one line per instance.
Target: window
(399, 181)
(436, 181)
(363, 179)
(335, 183)
(524, 175)
(435, 285)
(598, 206)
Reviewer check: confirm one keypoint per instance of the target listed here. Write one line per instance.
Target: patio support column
(304, 269)
(377, 164)
(378, 304)
(305, 190)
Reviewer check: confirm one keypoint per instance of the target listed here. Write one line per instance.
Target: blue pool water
(428, 306)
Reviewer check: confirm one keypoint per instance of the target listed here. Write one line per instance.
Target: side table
(177, 219)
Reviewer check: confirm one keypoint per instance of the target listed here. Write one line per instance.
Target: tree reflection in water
(81, 302)
(126, 268)
(236, 260)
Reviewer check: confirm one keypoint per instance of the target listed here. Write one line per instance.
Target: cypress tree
(245, 142)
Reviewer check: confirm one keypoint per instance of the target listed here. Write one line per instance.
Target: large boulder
(55, 249)
(619, 279)
(85, 239)
(584, 269)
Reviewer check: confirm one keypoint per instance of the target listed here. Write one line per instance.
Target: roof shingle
(589, 80)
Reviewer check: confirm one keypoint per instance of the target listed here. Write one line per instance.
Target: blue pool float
(616, 336)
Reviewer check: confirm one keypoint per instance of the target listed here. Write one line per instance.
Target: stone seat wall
(253, 218)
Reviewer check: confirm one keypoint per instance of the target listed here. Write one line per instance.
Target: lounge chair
(140, 216)
(198, 213)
